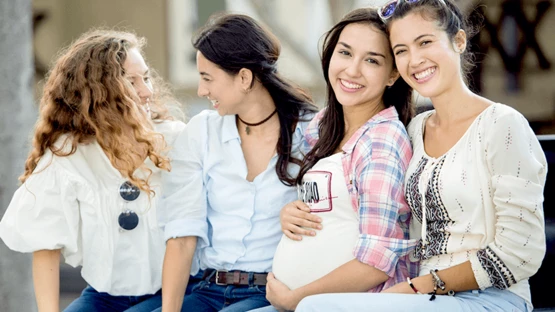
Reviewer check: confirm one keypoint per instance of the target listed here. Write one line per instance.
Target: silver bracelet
(437, 281)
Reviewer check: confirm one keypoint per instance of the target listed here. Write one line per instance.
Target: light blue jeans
(94, 301)
(491, 299)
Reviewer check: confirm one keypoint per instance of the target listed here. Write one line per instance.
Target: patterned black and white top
(481, 201)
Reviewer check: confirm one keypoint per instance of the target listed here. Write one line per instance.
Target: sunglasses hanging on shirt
(128, 219)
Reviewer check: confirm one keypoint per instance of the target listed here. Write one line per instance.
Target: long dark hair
(332, 126)
(235, 41)
(448, 17)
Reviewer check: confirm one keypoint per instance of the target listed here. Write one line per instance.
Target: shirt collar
(387, 114)
(229, 128)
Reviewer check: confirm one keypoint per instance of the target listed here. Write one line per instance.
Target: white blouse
(483, 200)
(73, 203)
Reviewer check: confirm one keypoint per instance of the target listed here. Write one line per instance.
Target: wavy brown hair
(87, 98)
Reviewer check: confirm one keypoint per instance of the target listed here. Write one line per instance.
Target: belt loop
(251, 279)
(236, 278)
(210, 274)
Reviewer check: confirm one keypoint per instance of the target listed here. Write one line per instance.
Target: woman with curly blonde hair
(87, 191)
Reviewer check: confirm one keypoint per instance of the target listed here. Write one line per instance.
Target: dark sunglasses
(386, 11)
(128, 219)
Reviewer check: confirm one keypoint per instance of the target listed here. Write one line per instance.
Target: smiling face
(222, 89)
(137, 73)
(361, 66)
(425, 56)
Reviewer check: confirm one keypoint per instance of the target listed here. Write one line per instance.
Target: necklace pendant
(248, 125)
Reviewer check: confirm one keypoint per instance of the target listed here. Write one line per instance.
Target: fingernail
(319, 227)
(312, 233)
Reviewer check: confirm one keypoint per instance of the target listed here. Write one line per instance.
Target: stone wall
(17, 115)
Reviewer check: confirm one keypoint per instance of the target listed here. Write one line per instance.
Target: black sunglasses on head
(386, 11)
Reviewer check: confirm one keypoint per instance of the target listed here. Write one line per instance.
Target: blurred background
(514, 65)
(513, 48)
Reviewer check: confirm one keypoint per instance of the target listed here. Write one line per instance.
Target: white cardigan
(483, 199)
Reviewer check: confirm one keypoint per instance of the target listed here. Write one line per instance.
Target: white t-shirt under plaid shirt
(483, 200)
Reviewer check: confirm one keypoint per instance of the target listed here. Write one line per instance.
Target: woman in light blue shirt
(234, 168)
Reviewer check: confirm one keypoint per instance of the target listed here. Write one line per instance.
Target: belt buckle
(217, 280)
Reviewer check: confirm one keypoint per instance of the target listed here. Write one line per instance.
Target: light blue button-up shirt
(207, 195)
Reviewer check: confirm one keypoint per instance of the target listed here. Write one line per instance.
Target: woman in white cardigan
(474, 185)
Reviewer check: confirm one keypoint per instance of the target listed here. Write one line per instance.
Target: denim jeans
(490, 299)
(93, 301)
(204, 296)
(265, 309)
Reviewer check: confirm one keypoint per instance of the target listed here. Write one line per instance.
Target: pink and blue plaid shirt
(375, 160)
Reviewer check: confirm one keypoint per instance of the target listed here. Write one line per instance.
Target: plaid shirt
(375, 160)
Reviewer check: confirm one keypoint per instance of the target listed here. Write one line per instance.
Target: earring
(458, 49)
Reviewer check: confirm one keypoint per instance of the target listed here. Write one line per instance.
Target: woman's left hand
(296, 220)
(279, 295)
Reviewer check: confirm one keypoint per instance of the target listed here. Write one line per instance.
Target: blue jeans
(490, 299)
(93, 301)
(204, 296)
(265, 309)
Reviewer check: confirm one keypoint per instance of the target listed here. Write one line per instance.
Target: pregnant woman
(352, 178)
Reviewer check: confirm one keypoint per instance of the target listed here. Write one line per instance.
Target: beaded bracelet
(412, 286)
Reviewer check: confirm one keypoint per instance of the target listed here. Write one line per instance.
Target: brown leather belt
(234, 277)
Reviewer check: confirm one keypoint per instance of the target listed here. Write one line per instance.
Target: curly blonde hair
(87, 97)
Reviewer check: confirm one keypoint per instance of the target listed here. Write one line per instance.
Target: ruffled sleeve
(44, 213)
(517, 170)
